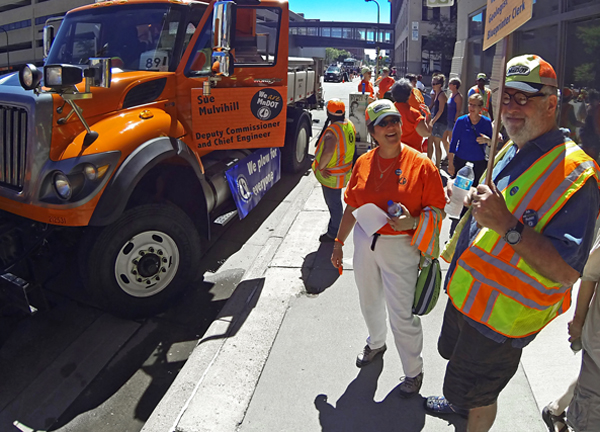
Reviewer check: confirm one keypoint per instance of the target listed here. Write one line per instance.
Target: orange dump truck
(122, 142)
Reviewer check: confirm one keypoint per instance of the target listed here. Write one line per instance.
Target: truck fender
(114, 199)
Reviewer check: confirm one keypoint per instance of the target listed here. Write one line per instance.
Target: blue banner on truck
(251, 178)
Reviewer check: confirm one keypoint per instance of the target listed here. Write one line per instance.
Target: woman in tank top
(439, 119)
(454, 106)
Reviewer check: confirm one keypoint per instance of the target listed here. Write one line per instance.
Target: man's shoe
(555, 422)
(326, 239)
(411, 386)
(368, 355)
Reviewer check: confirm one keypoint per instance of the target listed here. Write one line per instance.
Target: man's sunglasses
(385, 122)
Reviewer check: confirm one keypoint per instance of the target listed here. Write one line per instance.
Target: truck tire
(295, 152)
(144, 260)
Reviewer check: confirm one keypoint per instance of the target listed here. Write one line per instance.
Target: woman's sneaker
(368, 355)
(411, 386)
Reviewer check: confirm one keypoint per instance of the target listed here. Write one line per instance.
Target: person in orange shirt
(414, 125)
(365, 85)
(385, 83)
(386, 263)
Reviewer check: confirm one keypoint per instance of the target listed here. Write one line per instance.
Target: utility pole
(376, 38)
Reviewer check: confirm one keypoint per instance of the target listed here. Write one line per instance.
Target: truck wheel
(295, 151)
(141, 262)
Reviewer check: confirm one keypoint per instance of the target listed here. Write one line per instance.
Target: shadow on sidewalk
(357, 411)
(318, 273)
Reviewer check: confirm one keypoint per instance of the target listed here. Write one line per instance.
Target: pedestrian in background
(518, 251)
(470, 136)
(386, 264)
(385, 83)
(485, 93)
(333, 162)
(439, 119)
(414, 125)
(365, 86)
(455, 102)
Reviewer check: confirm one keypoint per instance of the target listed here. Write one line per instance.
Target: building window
(326, 32)
(427, 12)
(476, 24)
(542, 41)
(576, 4)
(544, 8)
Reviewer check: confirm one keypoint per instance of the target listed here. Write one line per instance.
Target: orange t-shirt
(385, 85)
(410, 119)
(368, 87)
(416, 99)
(413, 181)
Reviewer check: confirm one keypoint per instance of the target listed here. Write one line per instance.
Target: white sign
(440, 3)
(415, 25)
(415, 35)
(155, 61)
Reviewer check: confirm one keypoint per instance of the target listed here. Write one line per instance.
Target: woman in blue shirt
(470, 136)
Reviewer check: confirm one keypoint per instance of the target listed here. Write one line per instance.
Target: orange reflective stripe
(427, 233)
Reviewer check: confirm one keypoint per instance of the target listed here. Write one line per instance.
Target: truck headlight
(30, 77)
(62, 185)
(62, 75)
(90, 171)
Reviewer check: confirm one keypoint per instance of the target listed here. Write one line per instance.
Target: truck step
(224, 219)
(17, 292)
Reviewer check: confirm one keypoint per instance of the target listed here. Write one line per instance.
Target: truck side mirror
(48, 38)
(222, 25)
(102, 75)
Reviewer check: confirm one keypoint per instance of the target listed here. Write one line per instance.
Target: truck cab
(127, 133)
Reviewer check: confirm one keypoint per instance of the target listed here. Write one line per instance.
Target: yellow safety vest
(340, 165)
(493, 285)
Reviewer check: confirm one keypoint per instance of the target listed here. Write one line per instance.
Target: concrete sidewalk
(281, 355)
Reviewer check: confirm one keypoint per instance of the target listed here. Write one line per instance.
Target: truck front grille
(13, 145)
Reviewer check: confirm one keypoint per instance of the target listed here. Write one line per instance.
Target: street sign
(440, 3)
(504, 17)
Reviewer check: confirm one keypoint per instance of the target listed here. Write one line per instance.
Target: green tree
(585, 73)
(333, 55)
(441, 40)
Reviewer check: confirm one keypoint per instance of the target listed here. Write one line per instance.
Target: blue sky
(342, 10)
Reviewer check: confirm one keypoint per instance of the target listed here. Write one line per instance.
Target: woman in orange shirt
(414, 125)
(386, 263)
(365, 85)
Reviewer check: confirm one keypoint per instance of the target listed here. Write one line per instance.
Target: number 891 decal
(155, 61)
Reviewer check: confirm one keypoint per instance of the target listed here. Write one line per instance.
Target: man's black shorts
(478, 368)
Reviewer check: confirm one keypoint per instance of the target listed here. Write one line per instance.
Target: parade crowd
(523, 239)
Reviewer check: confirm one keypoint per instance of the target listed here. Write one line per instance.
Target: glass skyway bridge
(342, 34)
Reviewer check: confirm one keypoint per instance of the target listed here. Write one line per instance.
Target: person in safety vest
(386, 259)
(485, 93)
(333, 162)
(518, 250)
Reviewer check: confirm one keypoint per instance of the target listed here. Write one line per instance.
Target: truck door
(248, 108)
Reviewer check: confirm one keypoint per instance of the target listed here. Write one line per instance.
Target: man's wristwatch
(513, 235)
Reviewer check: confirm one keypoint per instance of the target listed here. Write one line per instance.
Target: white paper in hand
(370, 218)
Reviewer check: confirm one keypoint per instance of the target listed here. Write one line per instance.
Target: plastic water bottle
(364, 85)
(460, 188)
(394, 209)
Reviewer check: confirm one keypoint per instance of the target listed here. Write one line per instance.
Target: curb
(246, 327)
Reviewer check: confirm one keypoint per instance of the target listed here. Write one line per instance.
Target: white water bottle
(460, 188)
(394, 209)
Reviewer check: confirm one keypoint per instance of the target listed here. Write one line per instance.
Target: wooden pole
(498, 120)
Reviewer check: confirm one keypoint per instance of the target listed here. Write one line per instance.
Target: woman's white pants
(387, 276)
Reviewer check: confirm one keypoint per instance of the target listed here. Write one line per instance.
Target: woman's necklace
(382, 171)
(383, 174)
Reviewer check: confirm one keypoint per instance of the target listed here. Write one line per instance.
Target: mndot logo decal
(266, 104)
(243, 188)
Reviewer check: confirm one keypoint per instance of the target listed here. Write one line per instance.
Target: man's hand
(489, 209)
(404, 222)
(325, 173)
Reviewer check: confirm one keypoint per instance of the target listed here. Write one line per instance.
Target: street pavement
(280, 356)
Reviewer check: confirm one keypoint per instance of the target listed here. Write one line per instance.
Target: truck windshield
(149, 37)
